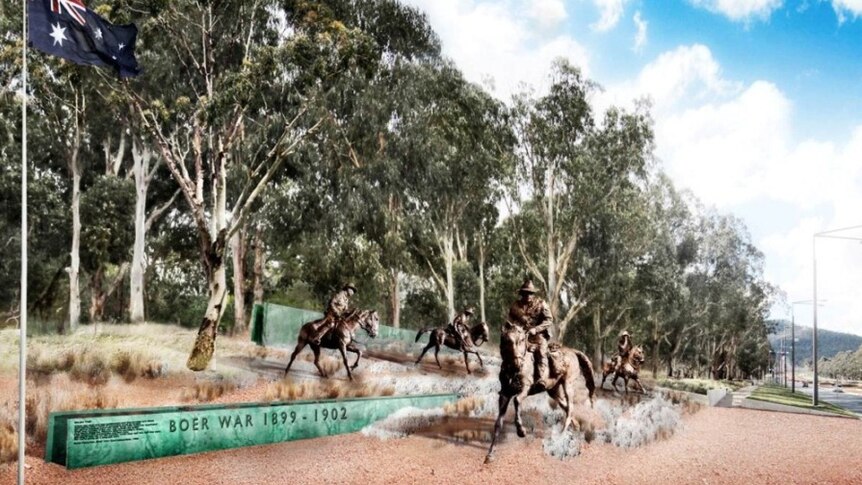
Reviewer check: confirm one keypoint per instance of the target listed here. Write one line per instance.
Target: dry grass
(8, 442)
(92, 366)
(207, 391)
(688, 405)
(290, 390)
(464, 407)
(61, 395)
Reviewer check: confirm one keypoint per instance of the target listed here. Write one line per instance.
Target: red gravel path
(716, 446)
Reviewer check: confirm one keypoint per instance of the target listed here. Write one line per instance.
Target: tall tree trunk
(140, 169)
(259, 264)
(238, 250)
(394, 298)
(449, 257)
(482, 280)
(75, 253)
(97, 298)
(213, 259)
(205, 342)
(597, 337)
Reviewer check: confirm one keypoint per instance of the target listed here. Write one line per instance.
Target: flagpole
(22, 311)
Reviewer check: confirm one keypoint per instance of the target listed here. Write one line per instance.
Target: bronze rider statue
(337, 308)
(533, 315)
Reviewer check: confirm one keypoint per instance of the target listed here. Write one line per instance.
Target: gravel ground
(715, 446)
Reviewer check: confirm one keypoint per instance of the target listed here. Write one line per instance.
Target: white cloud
(548, 13)
(502, 41)
(641, 33)
(684, 76)
(611, 11)
(742, 10)
(843, 8)
(732, 145)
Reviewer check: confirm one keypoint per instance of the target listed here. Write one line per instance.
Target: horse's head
(513, 344)
(637, 355)
(480, 332)
(369, 320)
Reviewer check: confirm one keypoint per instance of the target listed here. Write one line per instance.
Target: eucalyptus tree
(459, 157)
(570, 170)
(220, 76)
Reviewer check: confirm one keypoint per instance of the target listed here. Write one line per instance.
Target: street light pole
(792, 350)
(814, 305)
(831, 234)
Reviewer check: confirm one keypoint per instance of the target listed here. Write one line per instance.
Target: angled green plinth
(278, 326)
(91, 438)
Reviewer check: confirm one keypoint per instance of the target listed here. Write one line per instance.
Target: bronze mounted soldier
(534, 315)
(337, 308)
(460, 327)
(624, 346)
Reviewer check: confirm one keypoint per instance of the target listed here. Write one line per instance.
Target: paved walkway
(741, 395)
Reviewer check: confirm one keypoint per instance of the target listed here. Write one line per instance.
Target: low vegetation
(700, 386)
(782, 395)
(207, 391)
(290, 390)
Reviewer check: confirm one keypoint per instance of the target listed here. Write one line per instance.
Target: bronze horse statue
(517, 377)
(340, 337)
(439, 337)
(628, 369)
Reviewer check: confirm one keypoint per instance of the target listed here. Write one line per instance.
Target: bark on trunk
(450, 278)
(259, 264)
(597, 337)
(394, 299)
(482, 281)
(97, 296)
(238, 250)
(449, 257)
(205, 342)
(75, 253)
(138, 269)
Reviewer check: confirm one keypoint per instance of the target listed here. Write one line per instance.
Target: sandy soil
(716, 446)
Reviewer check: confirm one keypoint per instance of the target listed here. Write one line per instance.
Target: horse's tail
(421, 332)
(587, 371)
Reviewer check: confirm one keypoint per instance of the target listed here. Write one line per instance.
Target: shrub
(207, 391)
(8, 443)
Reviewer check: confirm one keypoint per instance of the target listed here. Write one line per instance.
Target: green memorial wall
(101, 437)
(278, 326)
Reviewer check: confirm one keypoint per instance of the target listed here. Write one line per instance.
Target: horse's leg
(626, 383)
(482, 364)
(638, 382)
(503, 405)
(616, 378)
(356, 351)
(341, 348)
(604, 376)
(299, 346)
(517, 400)
(316, 350)
(427, 347)
(437, 355)
(466, 362)
(567, 407)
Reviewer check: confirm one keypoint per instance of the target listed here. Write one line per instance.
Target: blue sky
(757, 107)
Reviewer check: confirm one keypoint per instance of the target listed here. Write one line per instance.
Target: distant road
(846, 400)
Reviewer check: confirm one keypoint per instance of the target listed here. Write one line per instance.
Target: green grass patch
(782, 395)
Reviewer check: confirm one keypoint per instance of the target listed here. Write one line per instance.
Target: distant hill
(829, 343)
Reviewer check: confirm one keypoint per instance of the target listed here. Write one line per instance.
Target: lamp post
(830, 234)
(793, 339)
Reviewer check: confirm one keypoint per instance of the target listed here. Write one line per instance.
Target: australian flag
(68, 29)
